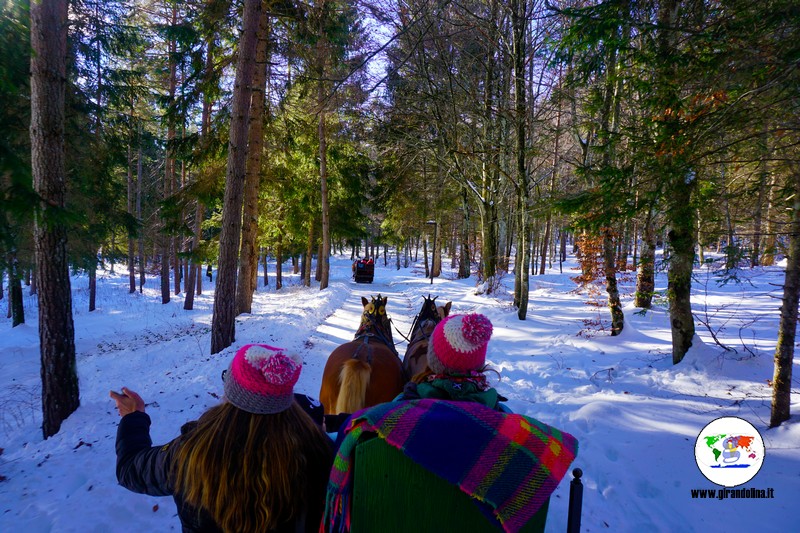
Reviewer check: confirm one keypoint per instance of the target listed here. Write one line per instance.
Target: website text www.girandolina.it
(722, 494)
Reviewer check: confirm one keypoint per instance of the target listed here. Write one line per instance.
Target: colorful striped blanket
(509, 463)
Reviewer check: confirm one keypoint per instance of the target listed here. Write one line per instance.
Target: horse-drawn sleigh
(396, 451)
(364, 270)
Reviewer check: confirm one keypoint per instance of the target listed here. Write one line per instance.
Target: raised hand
(127, 401)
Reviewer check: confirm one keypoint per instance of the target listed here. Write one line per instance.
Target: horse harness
(365, 336)
(419, 336)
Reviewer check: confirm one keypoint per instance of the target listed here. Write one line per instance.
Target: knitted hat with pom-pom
(261, 378)
(458, 344)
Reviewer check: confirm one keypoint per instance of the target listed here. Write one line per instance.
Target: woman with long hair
(256, 462)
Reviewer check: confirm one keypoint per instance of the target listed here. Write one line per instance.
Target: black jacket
(148, 469)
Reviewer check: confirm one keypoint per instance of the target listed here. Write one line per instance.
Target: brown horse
(365, 371)
(416, 359)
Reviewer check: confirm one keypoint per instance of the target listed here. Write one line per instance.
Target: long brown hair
(252, 472)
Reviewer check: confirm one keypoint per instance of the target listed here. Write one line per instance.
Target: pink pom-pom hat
(261, 379)
(458, 344)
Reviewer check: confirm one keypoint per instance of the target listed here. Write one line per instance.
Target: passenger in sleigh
(457, 364)
(255, 462)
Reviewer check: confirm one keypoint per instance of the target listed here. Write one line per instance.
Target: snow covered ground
(636, 416)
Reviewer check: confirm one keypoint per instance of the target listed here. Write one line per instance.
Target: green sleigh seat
(392, 494)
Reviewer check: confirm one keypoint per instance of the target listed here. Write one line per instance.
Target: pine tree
(60, 396)
(223, 321)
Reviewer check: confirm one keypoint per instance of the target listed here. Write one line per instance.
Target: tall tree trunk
(193, 279)
(92, 288)
(194, 283)
(164, 257)
(731, 250)
(763, 175)
(425, 257)
(279, 263)
(488, 217)
(682, 242)
(768, 257)
(680, 182)
(266, 272)
(453, 248)
(700, 241)
(609, 264)
(185, 261)
(223, 323)
(60, 395)
(130, 204)
(16, 305)
(506, 233)
(178, 242)
(436, 252)
(645, 277)
(169, 166)
(318, 272)
(787, 329)
(177, 185)
(488, 205)
(176, 264)
(139, 174)
(308, 257)
(464, 263)
(248, 253)
(16, 308)
(553, 181)
(518, 9)
(608, 129)
(325, 251)
(625, 245)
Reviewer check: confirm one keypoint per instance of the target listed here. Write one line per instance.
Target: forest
(170, 138)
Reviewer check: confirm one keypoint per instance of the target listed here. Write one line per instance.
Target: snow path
(636, 415)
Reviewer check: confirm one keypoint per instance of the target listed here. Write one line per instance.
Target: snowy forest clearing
(636, 416)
